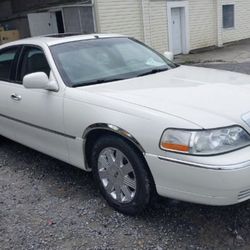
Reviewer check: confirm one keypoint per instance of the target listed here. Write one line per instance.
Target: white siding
(203, 23)
(158, 25)
(120, 17)
(126, 17)
(242, 20)
(148, 22)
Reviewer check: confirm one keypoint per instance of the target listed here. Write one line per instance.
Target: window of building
(228, 16)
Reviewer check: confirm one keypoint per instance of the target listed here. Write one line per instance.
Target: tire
(112, 158)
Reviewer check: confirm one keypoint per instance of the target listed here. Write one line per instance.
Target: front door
(176, 31)
(38, 114)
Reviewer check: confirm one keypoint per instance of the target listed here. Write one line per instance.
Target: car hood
(207, 97)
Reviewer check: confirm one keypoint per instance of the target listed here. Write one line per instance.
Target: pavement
(237, 52)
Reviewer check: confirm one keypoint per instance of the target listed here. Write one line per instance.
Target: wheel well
(94, 135)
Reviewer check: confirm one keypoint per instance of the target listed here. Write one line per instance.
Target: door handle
(16, 97)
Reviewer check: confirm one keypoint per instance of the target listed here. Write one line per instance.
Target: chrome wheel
(117, 175)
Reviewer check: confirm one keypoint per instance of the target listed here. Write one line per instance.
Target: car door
(38, 113)
(8, 62)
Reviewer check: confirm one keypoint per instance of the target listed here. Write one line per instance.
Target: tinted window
(34, 61)
(6, 61)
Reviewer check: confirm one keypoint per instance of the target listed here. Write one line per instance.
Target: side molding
(114, 129)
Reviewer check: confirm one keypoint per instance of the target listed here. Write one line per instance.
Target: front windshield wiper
(99, 81)
(152, 71)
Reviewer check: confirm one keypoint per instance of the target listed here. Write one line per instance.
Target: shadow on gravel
(45, 203)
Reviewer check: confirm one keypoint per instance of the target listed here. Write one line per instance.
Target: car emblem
(246, 118)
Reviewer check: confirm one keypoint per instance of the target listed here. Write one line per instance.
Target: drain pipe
(146, 21)
(219, 23)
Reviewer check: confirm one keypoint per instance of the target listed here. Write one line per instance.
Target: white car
(143, 125)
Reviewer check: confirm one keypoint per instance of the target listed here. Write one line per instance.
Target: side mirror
(169, 55)
(39, 80)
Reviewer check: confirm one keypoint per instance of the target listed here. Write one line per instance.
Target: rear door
(8, 62)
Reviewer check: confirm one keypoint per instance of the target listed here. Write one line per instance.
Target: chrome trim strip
(115, 129)
(229, 167)
(38, 127)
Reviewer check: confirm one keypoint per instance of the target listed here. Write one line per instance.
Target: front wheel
(121, 175)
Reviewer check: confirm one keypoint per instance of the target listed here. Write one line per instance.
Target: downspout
(145, 21)
(219, 23)
(96, 16)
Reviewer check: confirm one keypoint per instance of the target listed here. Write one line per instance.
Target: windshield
(97, 61)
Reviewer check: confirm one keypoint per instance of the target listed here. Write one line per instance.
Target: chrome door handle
(16, 97)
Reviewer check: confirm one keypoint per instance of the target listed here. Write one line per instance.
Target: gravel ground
(47, 204)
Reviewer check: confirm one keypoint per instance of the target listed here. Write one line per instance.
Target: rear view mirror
(39, 80)
(169, 55)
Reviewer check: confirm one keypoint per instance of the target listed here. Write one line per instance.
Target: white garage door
(42, 23)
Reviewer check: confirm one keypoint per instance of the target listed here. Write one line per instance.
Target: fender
(115, 129)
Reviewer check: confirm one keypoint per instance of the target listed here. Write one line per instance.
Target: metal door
(176, 30)
(42, 23)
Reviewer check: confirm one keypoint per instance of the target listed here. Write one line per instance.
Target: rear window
(7, 58)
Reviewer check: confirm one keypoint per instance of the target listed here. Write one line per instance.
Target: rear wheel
(121, 174)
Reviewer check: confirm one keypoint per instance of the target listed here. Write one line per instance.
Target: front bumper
(210, 184)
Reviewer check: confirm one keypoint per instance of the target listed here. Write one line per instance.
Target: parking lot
(47, 204)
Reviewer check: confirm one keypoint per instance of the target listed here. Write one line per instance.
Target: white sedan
(143, 125)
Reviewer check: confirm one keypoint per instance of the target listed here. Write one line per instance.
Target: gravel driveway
(47, 204)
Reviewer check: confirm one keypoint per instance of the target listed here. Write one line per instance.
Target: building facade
(176, 25)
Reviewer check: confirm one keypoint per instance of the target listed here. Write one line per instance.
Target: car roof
(55, 39)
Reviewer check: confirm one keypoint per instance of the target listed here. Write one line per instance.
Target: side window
(33, 61)
(7, 58)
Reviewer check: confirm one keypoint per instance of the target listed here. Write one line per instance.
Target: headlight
(205, 142)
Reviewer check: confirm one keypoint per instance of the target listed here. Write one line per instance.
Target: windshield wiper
(152, 71)
(99, 81)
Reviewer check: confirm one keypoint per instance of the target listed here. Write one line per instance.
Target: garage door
(79, 19)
